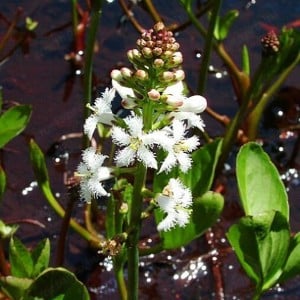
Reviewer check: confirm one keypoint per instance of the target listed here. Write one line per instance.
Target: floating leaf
(13, 122)
(260, 186)
(205, 212)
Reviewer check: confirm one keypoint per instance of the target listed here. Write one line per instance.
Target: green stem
(257, 112)
(74, 17)
(151, 8)
(121, 282)
(208, 47)
(94, 240)
(96, 11)
(134, 233)
(240, 79)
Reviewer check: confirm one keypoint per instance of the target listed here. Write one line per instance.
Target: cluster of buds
(270, 43)
(158, 54)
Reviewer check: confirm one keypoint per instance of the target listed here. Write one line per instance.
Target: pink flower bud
(126, 72)
(154, 95)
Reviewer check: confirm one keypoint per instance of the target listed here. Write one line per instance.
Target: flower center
(135, 143)
(180, 147)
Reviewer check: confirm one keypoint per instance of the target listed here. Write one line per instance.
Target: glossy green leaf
(13, 122)
(260, 186)
(20, 259)
(15, 287)
(261, 244)
(40, 256)
(292, 266)
(205, 212)
(200, 177)
(2, 182)
(57, 283)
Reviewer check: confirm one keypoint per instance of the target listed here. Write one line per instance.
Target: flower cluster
(160, 117)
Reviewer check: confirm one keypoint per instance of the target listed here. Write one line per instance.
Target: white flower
(175, 201)
(187, 108)
(179, 148)
(92, 173)
(102, 112)
(137, 143)
(127, 94)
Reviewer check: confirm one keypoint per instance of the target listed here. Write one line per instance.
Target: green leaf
(15, 287)
(261, 244)
(292, 266)
(20, 259)
(200, 177)
(6, 231)
(225, 24)
(260, 186)
(2, 182)
(57, 283)
(205, 212)
(40, 256)
(13, 122)
(245, 60)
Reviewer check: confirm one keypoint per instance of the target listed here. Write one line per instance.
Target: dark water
(43, 78)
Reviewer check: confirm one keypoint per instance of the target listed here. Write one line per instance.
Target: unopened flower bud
(154, 95)
(168, 54)
(157, 51)
(141, 74)
(159, 26)
(179, 75)
(175, 46)
(270, 43)
(196, 104)
(141, 43)
(176, 59)
(126, 72)
(147, 52)
(124, 208)
(116, 75)
(158, 63)
(174, 101)
(168, 76)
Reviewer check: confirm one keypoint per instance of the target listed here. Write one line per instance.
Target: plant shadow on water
(53, 86)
